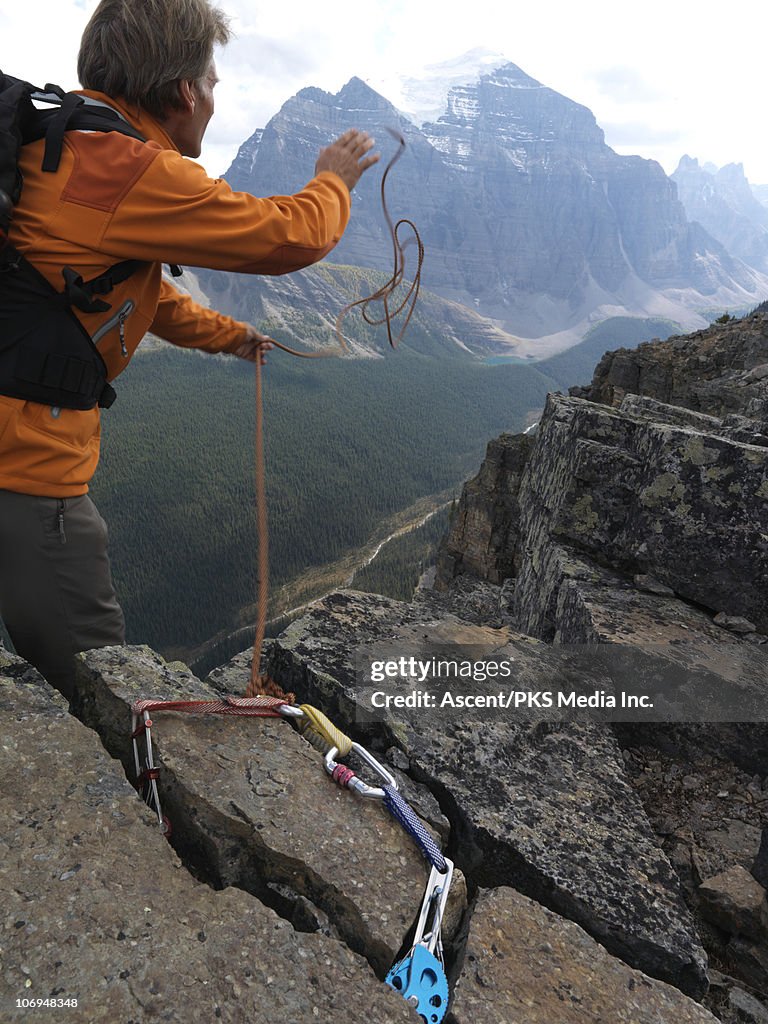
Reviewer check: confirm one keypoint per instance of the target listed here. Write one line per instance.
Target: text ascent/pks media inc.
(510, 699)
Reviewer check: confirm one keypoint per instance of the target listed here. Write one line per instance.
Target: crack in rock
(266, 811)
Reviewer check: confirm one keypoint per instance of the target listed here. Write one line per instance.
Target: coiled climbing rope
(387, 290)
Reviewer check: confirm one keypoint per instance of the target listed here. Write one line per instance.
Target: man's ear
(187, 101)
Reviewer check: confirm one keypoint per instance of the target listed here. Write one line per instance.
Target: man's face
(190, 139)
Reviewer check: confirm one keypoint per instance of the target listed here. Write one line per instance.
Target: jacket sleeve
(175, 213)
(184, 322)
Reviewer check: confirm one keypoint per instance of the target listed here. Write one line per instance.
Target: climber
(116, 198)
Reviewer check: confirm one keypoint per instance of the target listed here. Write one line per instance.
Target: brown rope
(260, 683)
(384, 293)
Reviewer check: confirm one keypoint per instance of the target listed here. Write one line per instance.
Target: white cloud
(625, 85)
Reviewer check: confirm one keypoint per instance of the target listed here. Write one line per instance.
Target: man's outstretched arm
(184, 322)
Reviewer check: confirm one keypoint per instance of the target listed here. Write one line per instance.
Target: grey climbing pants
(56, 594)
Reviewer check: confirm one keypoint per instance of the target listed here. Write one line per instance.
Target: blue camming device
(420, 976)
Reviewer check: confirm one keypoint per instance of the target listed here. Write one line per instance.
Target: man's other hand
(254, 346)
(347, 157)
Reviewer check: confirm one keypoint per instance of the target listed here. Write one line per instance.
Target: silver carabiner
(420, 976)
(432, 910)
(290, 711)
(352, 781)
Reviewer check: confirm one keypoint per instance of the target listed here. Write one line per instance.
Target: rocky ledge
(721, 371)
(99, 911)
(284, 896)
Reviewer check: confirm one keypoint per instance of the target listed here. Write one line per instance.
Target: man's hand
(346, 157)
(254, 346)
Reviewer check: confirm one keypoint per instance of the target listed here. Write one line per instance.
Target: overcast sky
(663, 78)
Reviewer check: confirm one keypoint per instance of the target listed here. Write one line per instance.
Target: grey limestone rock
(251, 805)
(717, 372)
(97, 907)
(734, 623)
(526, 965)
(590, 604)
(472, 600)
(759, 869)
(643, 497)
(749, 1010)
(752, 960)
(674, 415)
(652, 586)
(735, 902)
(481, 540)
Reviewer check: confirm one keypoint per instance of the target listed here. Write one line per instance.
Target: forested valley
(349, 442)
(397, 568)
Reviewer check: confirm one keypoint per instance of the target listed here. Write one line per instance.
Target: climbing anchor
(420, 976)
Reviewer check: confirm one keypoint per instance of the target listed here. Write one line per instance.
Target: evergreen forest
(396, 569)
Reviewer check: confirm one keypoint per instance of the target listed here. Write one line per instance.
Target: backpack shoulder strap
(21, 122)
(77, 114)
(84, 294)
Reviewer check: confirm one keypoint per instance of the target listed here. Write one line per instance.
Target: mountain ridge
(528, 217)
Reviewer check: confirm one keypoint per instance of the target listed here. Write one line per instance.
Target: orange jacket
(114, 198)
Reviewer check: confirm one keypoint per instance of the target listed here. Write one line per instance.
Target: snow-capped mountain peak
(423, 97)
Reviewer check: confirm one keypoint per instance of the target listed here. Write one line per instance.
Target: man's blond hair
(138, 50)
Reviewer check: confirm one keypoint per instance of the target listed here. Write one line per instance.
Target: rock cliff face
(721, 372)
(553, 186)
(484, 532)
(637, 516)
(603, 869)
(636, 492)
(527, 216)
(658, 469)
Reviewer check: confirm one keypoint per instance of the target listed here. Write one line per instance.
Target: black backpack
(46, 355)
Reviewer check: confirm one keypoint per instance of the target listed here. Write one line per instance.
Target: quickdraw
(419, 976)
(147, 772)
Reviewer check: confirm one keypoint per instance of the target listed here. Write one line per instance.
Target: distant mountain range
(529, 219)
(725, 205)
